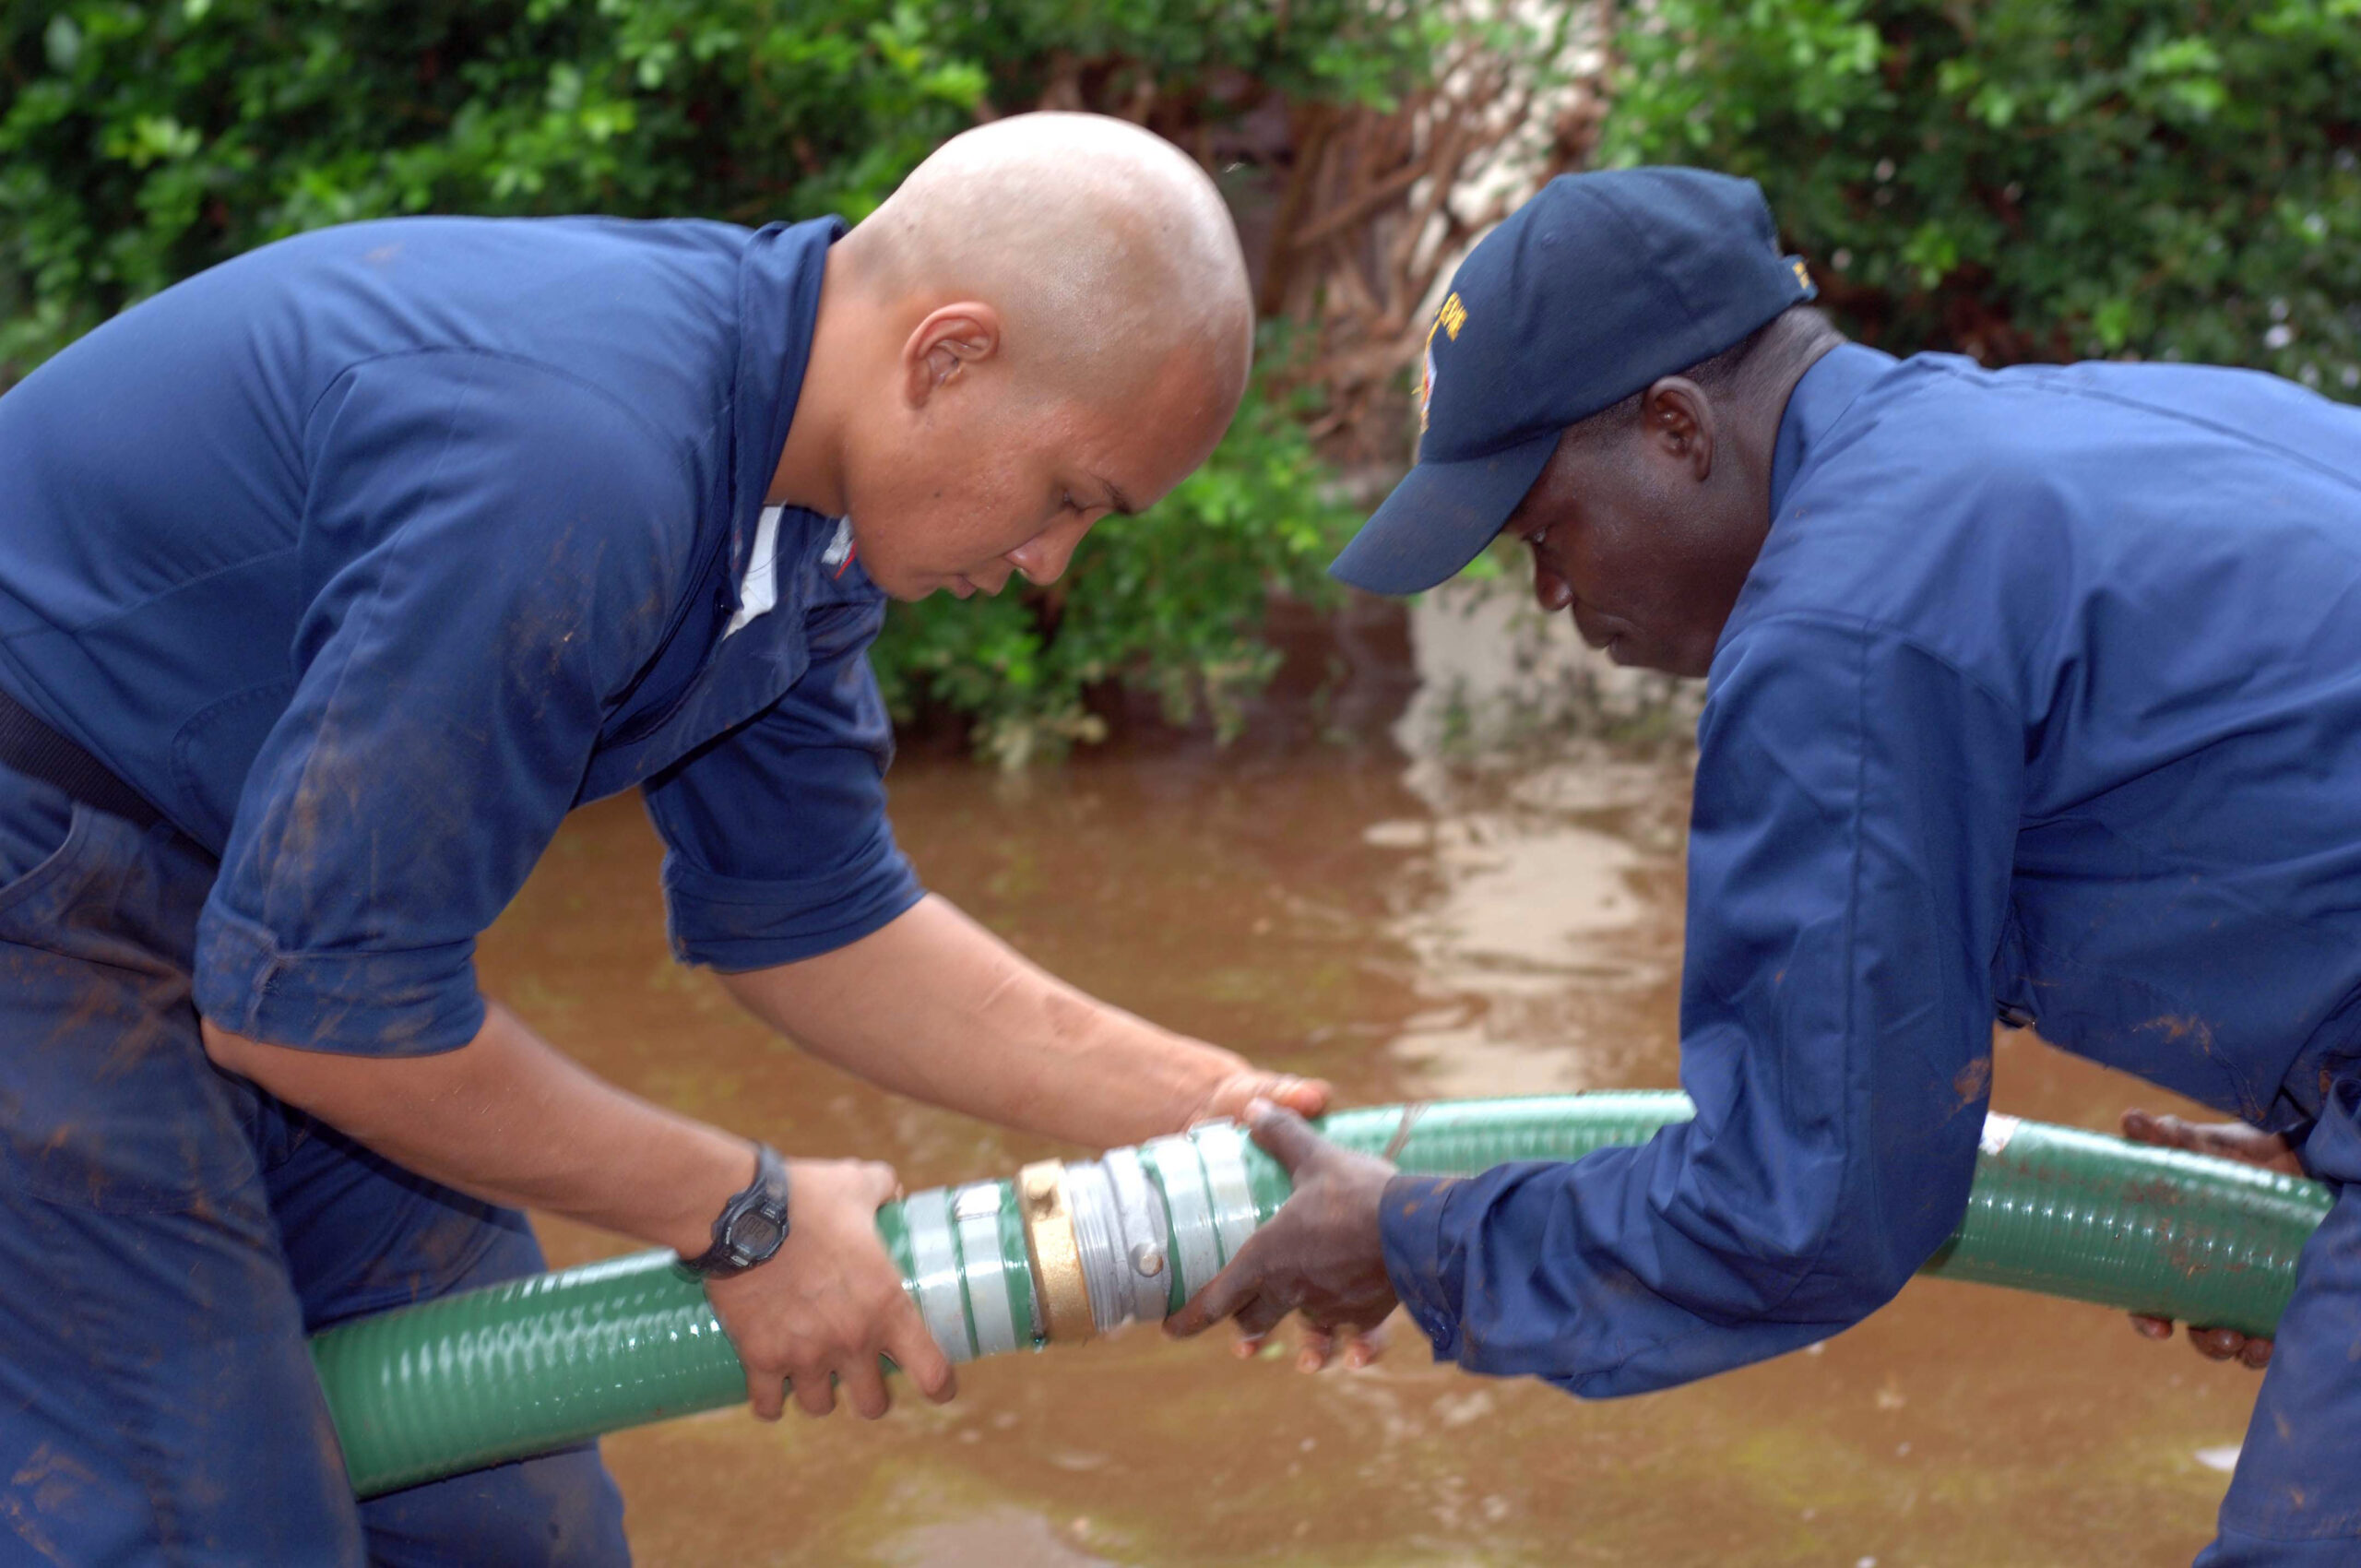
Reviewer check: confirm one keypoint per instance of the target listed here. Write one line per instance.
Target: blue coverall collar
(1820, 400)
(778, 308)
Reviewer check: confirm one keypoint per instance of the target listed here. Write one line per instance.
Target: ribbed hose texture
(519, 1369)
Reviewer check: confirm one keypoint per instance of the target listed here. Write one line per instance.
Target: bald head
(1048, 324)
(1105, 248)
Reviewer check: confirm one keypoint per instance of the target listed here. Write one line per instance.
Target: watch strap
(752, 1226)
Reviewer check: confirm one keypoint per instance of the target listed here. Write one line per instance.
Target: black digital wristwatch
(751, 1225)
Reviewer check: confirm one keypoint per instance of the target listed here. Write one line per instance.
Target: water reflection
(1535, 952)
(993, 1537)
(1546, 947)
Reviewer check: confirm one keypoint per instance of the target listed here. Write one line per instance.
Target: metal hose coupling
(1126, 1237)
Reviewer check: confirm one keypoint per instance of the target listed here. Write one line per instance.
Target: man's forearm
(507, 1119)
(938, 1008)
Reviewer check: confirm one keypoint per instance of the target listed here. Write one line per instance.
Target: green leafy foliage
(2035, 179)
(1167, 601)
(142, 140)
(1188, 62)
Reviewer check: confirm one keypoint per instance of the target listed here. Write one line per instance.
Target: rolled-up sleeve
(778, 847)
(1849, 858)
(503, 549)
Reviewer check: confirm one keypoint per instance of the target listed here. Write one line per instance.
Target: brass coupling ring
(1058, 1285)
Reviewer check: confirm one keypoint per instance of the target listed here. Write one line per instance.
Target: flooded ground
(1406, 928)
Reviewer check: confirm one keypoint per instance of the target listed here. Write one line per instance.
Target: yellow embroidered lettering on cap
(1451, 317)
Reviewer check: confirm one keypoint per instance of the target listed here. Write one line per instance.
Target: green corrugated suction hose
(519, 1369)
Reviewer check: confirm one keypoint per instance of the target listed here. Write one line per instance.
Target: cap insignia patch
(1450, 319)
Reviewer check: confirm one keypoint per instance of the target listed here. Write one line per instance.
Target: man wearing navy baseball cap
(2031, 694)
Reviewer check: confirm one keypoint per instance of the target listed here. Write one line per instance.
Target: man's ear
(1677, 421)
(945, 344)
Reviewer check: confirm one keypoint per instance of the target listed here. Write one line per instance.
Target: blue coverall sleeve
(506, 547)
(1849, 855)
(778, 847)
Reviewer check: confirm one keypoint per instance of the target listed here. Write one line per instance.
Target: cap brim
(1439, 518)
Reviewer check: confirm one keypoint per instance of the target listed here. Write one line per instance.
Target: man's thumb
(2167, 1130)
(1289, 1138)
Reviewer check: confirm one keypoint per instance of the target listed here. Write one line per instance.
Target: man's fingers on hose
(2213, 1343)
(2146, 1127)
(814, 1390)
(2217, 1344)
(864, 1387)
(2177, 1132)
(1305, 1096)
(2222, 1140)
(766, 1392)
(915, 1351)
(1223, 1294)
(1355, 1347)
(2251, 1350)
(880, 1181)
(1261, 1315)
(1289, 1138)
(1366, 1346)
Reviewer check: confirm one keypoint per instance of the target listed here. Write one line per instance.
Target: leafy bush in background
(2035, 179)
(142, 140)
(145, 139)
(1169, 600)
(2015, 179)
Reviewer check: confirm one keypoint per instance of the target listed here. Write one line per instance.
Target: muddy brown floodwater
(1327, 909)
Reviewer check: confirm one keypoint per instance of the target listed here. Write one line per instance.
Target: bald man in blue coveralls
(330, 580)
(2032, 695)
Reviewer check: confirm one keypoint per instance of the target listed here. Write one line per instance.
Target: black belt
(35, 750)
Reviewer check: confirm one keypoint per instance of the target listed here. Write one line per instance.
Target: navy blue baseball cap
(1592, 291)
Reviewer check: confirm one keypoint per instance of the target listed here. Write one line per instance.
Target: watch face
(757, 1235)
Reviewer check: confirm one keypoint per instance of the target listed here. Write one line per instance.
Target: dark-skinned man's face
(1645, 531)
